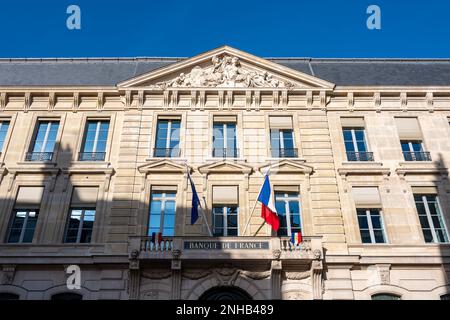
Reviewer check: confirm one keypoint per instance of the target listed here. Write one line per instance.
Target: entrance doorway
(225, 293)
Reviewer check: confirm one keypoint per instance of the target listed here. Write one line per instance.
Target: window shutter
(224, 119)
(352, 122)
(425, 190)
(169, 117)
(286, 189)
(280, 122)
(366, 197)
(84, 197)
(408, 128)
(225, 195)
(29, 198)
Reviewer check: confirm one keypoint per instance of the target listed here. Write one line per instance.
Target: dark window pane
(379, 237)
(365, 236)
(428, 235)
(363, 224)
(385, 297)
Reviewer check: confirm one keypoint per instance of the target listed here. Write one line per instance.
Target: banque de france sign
(220, 245)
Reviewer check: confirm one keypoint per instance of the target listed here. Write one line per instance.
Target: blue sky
(278, 28)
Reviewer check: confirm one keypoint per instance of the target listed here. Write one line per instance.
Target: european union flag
(195, 202)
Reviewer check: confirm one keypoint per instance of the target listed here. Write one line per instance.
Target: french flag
(268, 210)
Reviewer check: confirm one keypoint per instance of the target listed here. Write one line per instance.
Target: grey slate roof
(109, 72)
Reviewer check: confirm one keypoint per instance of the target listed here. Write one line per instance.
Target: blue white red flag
(268, 210)
(297, 237)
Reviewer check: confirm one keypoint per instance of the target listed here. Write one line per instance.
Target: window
(288, 209)
(167, 138)
(445, 297)
(369, 214)
(162, 213)
(23, 226)
(411, 139)
(80, 225)
(224, 138)
(282, 137)
(371, 226)
(95, 139)
(225, 211)
(431, 220)
(67, 296)
(25, 215)
(355, 145)
(44, 140)
(225, 221)
(4, 125)
(81, 218)
(385, 296)
(414, 151)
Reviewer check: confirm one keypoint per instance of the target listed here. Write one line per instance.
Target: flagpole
(204, 217)
(256, 202)
(202, 214)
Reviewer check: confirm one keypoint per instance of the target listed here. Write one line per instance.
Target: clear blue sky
(277, 28)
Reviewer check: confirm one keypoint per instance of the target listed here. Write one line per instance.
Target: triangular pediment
(226, 67)
(225, 167)
(286, 167)
(162, 166)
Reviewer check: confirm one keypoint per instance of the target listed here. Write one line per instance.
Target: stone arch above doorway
(228, 293)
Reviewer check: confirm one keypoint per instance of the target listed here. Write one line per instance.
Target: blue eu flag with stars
(195, 202)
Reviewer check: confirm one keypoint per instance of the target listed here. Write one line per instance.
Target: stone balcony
(224, 248)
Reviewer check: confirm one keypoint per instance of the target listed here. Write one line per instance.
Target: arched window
(67, 296)
(385, 296)
(8, 296)
(445, 297)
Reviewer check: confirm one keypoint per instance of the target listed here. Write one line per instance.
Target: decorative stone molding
(107, 172)
(276, 269)
(162, 167)
(225, 166)
(297, 275)
(141, 100)
(254, 275)
(156, 275)
(430, 102)
(404, 101)
(197, 274)
(51, 171)
(27, 102)
(225, 71)
(3, 100)
(51, 101)
(317, 275)
(8, 274)
(76, 101)
(384, 273)
(100, 101)
(351, 101)
(128, 100)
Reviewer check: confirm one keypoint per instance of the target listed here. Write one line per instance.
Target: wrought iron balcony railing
(360, 156)
(417, 156)
(166, 152)
(92, 156)
(285, 153)
(39, 156)
(225, 153)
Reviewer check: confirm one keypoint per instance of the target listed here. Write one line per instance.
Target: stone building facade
(96, 155)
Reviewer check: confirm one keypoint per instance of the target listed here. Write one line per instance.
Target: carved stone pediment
(162, 166)
(225, 71)
(287, 167)
(227, 68)
(225, 167)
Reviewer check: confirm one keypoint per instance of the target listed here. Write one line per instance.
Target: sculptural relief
(225, 72)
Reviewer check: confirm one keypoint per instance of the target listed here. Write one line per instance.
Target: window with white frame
(369, 214)
(225, 137)
(288, 209)
(43, 144)
(80, 224)
(95, 140)
(225, 211)
(162, 212)
(167, 142)
(371, 225)
(25, 215)
(4, 126)
(430, 216)
(282, 137)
